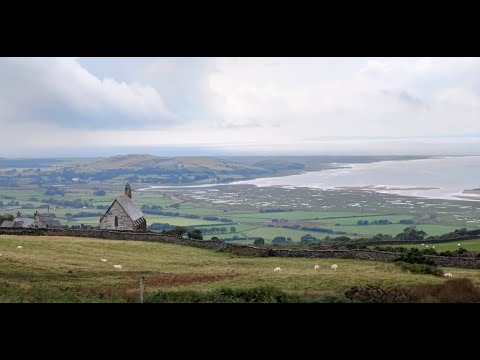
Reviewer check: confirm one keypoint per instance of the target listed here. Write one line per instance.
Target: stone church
(123, 214)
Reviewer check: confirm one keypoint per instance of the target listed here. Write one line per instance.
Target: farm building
(123, 214)
(24, 222)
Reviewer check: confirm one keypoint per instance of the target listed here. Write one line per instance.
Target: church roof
(128, 205)
(7, 224)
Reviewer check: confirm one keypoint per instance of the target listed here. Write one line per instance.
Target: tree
(411, 233)
(308, 237)
(215, 238)
(259, 242)
(233, 229)
(180, 230)
(279, 240)
(195, 234)
(99, 193)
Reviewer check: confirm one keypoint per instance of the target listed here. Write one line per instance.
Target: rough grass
(68, 269)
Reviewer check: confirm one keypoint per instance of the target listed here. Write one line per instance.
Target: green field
(470, 245)
(66, 269)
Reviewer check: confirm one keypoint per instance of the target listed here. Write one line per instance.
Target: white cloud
(249, 103)
(60, 91)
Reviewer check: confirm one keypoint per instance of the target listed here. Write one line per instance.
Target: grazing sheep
(433, 247)
(103, 260)
(119, 267)
(423, 244)
(334, 267)
(277, 270)
(1, 255)
(448, 275)
(458, 244)
(427, 246)
(19, 247)
(317, 267)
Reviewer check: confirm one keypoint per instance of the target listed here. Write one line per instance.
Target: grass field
(470, 245)
(66, 269)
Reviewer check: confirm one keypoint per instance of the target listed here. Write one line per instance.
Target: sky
(63, 107)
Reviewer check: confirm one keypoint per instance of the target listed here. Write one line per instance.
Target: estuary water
(436, 178)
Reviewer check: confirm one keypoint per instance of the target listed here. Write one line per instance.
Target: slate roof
(50, 221)
(129, 206)
(6, 224)
(23, 222)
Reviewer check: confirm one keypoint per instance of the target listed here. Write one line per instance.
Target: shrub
(421, 268)
(451, 291)
(179, 230)
(259, 242)
(254, 295)
(377, 293)
(195, 234)
(413, 256)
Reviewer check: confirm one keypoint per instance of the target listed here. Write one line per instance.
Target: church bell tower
(128, 190)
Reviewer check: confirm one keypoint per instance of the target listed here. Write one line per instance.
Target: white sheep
(433, 247)
(317, 267)
(423, 244)
(427, 246)
(19, 247)
(1, 255)
(103, 260)
(277, 270)
(334, 267)
(448, 275)
(119, 267)
(458, 244)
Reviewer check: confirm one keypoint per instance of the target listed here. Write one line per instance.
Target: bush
(421, 268)
(377, 293)
(259, 242)
(451, 291)
(179, 230)
(413, 256)
(195, 234)
(255, 295)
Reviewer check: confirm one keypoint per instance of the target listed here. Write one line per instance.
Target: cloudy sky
(208, 106)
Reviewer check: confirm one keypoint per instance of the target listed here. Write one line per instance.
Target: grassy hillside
(181, 162)
(63, 269)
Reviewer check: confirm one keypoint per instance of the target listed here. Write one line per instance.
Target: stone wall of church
(124, 222)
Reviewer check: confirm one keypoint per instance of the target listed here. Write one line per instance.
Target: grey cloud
(251, 123)
(405, 97)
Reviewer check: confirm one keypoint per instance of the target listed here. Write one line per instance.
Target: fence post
(142, 288)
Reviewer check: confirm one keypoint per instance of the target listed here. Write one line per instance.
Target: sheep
(317, 267)
(427, 246)
(433, 247)
(19, 247)
(448, 275)
(119, 267)
(1, 255)
(423, 244)
(458, 244)
(277, 270)
(103, 260)
(334, 267)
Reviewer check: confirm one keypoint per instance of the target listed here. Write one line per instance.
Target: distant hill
(156, 170)
(195, 163)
